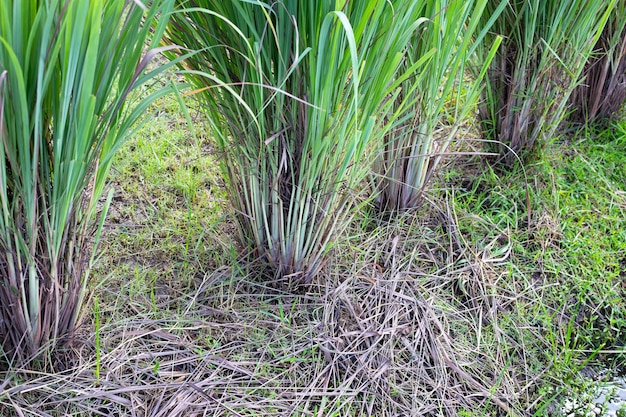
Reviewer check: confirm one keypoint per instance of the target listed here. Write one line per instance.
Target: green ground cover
(469, 305)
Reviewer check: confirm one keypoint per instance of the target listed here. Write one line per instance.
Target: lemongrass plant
(67, 68)
(602, 90)
(296, 92)
(544, 50)
(414, 147)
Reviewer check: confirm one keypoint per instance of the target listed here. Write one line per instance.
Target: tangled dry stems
(412, 329)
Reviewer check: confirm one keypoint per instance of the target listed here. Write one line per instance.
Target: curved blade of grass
(602, 90)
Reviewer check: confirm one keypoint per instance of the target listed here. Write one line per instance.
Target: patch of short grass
(588, 251)
(165, 226)
(565, 258)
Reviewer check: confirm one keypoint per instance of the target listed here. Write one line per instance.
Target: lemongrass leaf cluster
(545, 47)
(296, 93)
(67, 69)
(415, 145)
(602, 88)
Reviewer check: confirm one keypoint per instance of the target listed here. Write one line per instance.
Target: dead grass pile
(411, 328)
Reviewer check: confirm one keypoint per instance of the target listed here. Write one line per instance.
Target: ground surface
(494, 298)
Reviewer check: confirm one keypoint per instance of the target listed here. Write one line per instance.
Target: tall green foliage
(296, 92)
(602, 90)
(544, 49)
(417, 142)
(67, 68)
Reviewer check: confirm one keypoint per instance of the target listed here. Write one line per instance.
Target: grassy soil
(496, 297)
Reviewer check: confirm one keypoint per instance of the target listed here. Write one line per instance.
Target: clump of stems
(66, 70)
(417, 142)
(545, 47)
(602, 90)
(296, 93)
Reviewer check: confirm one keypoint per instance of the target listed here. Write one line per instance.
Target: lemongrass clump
(545, 47)
(415, 145)
(602, 90)
(296, 92)
(66, 70)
